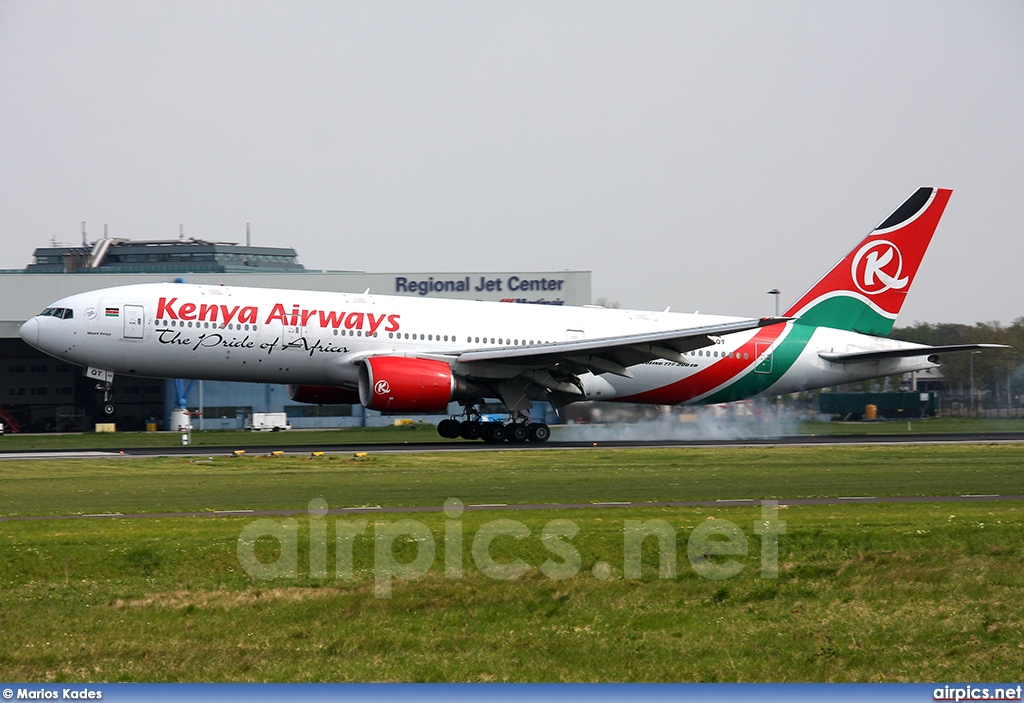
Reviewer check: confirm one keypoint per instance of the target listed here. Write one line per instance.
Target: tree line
(998, 373)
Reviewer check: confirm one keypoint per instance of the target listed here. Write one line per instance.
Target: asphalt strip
(362, 510)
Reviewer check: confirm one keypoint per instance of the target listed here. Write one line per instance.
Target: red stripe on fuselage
(713, 376)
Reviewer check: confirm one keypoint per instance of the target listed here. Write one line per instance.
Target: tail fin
(865, 291)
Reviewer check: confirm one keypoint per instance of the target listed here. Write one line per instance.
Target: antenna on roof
(105, 236)
(247, 235)
(181, 232)
(85, 242)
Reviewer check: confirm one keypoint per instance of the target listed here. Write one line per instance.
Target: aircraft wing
(854, 357)
(624, 350)
(552, 370)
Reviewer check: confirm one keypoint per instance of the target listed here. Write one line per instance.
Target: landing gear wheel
(518, 433)
(449, 429)
(539, 432)
(108, 409)
(493, 432)
(470, 429)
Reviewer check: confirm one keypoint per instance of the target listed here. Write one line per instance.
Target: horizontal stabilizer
(855, 357)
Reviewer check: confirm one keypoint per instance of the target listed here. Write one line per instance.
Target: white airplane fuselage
(406, 354)
(170, 330)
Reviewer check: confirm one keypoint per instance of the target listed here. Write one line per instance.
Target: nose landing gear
(107, 407)
(104, 382)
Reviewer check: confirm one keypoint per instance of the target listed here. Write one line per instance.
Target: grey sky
(692, 154)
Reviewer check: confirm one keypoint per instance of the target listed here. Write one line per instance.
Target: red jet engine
(401, 384)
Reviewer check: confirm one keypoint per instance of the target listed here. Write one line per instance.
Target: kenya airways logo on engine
(877, 267)
(382, 387)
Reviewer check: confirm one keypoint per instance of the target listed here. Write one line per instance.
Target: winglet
(768, 321)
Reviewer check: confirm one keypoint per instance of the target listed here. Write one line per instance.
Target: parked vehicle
(273, 422)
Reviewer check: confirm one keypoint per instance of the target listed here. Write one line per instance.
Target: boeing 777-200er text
(409, 355)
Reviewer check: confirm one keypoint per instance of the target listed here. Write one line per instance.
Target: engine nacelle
(405, 385)
(323, 395)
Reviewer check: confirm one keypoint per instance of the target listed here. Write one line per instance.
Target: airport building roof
(163, 256)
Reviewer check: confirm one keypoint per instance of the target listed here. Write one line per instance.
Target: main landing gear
(517, 431)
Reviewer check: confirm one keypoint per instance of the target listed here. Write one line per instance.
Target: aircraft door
(763, 352)
(293, 336)
(134, 321)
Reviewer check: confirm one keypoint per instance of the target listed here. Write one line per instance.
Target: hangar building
(40, 394)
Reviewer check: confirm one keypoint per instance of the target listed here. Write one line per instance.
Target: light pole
(974, 403)
(776, 292)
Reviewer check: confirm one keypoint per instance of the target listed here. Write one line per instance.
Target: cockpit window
(62, 313)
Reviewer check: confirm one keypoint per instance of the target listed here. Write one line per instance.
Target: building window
(225, 412)
(295, 411)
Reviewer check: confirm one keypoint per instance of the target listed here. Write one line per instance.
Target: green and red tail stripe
(744, 362)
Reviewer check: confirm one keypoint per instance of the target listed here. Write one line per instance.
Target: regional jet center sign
(544, 288)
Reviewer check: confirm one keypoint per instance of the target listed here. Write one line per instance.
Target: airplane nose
(30, 332)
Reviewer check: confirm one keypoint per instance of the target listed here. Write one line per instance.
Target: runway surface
(363, 510)
(460, 446)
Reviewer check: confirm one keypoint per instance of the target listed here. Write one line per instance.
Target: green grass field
(893, 592)
(177, 484)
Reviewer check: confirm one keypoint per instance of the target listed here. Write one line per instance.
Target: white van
(274, 422)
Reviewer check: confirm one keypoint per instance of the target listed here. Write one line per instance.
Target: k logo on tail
(877, 267)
